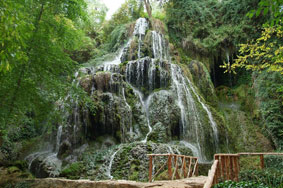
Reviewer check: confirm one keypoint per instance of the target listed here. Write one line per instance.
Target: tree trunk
(148, 8)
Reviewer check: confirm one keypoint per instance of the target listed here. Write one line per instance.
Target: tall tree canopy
(37, 40)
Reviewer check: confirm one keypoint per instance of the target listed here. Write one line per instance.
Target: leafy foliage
(266, 53)
(242, 184)
(264, 177)
(274, 7)
(208, 26)
(39, 37)
(269, 91)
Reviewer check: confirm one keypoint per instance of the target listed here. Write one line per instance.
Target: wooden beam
(227, 167)
(235, 169)
(169, 167)
(245, 153)
(231, 168)
(184, 167)
(211, 174)
(261, 161)
(150, 169)
(190, 167)
(177, 168)
(218, 168)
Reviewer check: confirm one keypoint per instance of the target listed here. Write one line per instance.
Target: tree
(37, 38)
(266, 52)
(148, 8)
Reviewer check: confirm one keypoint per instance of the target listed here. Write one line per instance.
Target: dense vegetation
(43, 42)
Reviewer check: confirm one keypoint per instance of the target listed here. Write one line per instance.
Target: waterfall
(129, 112)
(58, 138)
(159, 46)
(195, 150)
(212, 122)
(170, 149)
(140, 30)
(108, 170)
(187, 105)
(145, 105)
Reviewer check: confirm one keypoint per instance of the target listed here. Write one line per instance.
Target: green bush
(271, 178)
(18, 185)
(248, 184)
(274, 162)
(73, 171)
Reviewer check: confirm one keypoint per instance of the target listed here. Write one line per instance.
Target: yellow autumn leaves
(266, 53)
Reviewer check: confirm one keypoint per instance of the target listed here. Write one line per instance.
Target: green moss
(22, 165)
(73, 171)
(13, 169)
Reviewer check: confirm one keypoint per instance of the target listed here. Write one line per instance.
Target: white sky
(112, 5)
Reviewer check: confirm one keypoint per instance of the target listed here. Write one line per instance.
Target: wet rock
(164, 110)
(46, 165)
(202, 80)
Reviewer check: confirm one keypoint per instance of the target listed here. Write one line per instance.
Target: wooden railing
(226, 167)
(186, 167)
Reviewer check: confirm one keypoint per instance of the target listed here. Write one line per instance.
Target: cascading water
(129, 110)
(194, 149)
(190, 127)
(212, 122)
(148, 79)
(108, 170)
(160, 51)
(145, 105)
(140, 30)
(58, 138)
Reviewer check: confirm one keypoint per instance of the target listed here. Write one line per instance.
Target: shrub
(73, 171)
(271, 178)
(242, 184)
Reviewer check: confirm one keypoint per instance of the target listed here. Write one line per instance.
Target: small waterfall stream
(145, 105)
(189, 127)
(140, 30)
(212, 122)
(58, 138)
(108, 170)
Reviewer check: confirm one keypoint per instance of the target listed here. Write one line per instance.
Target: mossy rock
(13, 169)
(73, 171)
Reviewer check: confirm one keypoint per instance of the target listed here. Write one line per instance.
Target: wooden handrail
(228, 168)
(187, 162)
(211, 175)
(244, 153)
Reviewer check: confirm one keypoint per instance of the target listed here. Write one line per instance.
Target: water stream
(212, 122)
(108, 170)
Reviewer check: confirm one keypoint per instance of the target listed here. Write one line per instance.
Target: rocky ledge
(195, 182)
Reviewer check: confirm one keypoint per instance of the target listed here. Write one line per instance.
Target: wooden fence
(188, 166)
(226, 167)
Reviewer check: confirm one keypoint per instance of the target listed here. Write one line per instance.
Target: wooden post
(218, 168)
(223, 167)
(196, 174)
(190, 167)
(261, 161)
(231, 168)
(150, 169)
(184, 167)
(177, 167)
(236, 171)
(170, 167)
(227, 167)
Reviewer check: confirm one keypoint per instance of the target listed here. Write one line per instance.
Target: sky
(112, 5)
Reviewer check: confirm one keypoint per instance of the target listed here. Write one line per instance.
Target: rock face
(138, 97)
